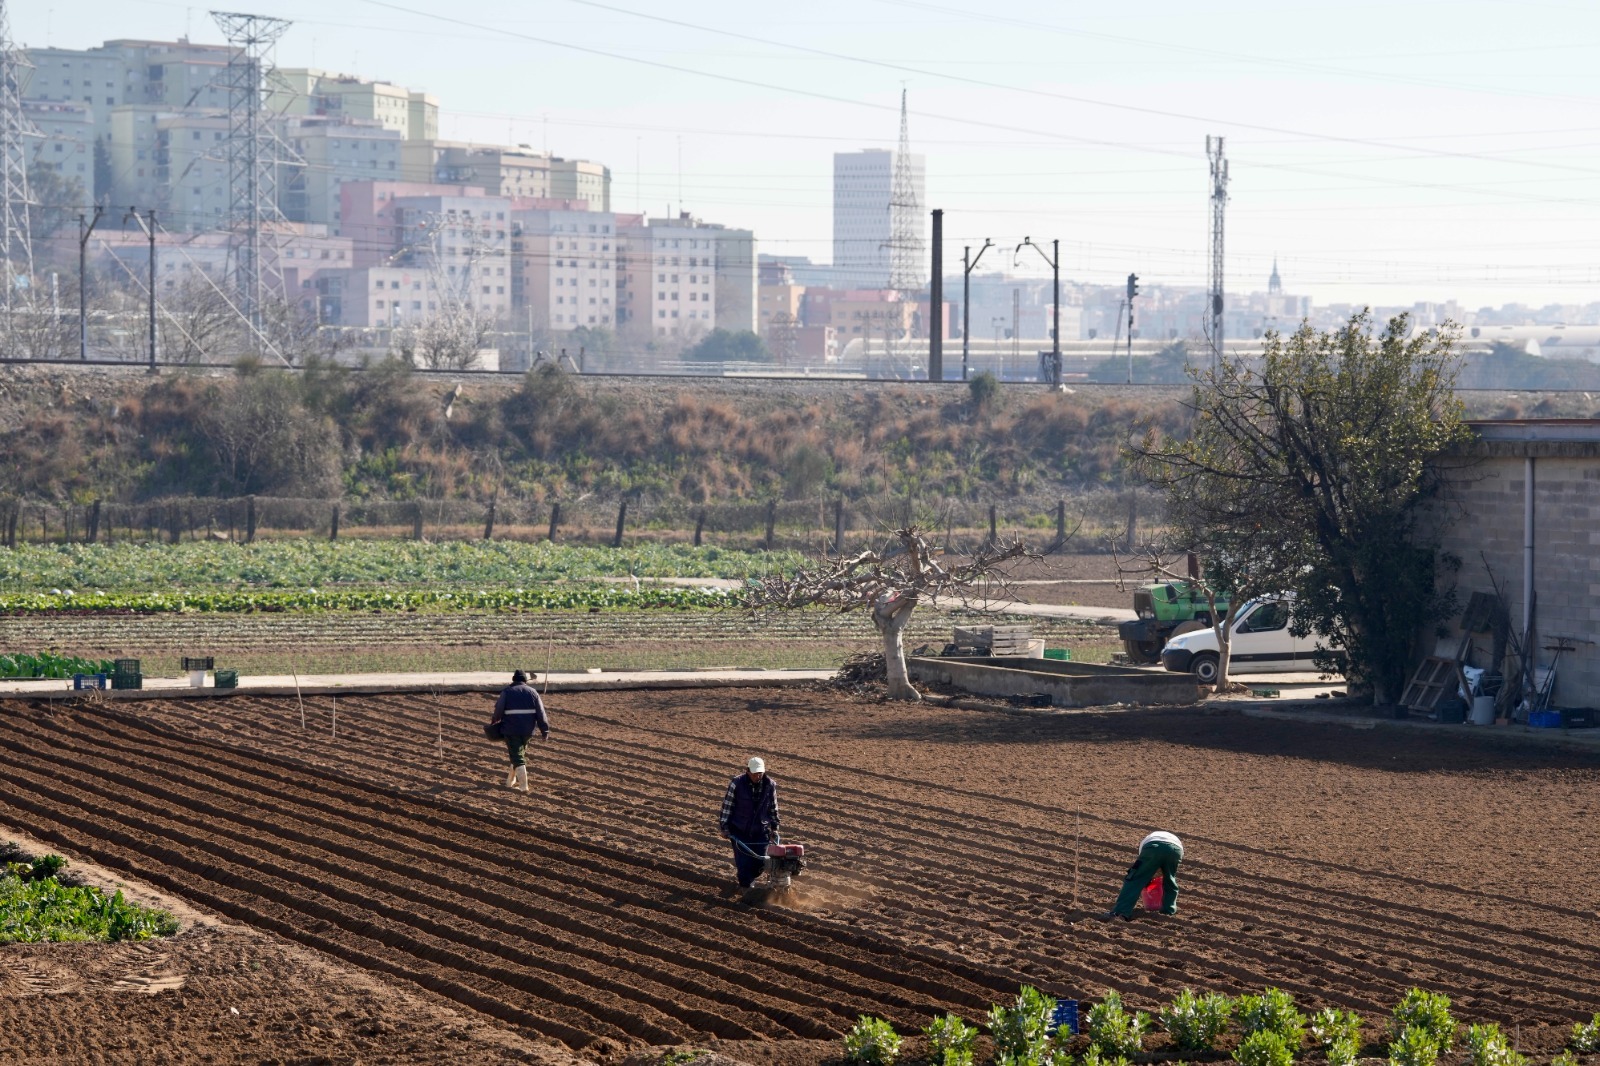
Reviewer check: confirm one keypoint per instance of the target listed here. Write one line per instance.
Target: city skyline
(1370, 176)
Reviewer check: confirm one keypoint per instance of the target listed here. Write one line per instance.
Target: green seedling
(1263, 1048)
(1338, 1034)
(951, 1041)
(873, 1042)
(1273, 1011)
(1113, 1030)
(1195, 1021)
(1429, 1012)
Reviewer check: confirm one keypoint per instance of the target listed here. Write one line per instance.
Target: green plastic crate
(1064, 654)
(227, 678)
(127, 681)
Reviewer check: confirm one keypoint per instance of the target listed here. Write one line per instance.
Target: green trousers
(1155, 856)
(517, 748)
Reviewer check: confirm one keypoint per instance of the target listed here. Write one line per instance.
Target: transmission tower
(253, 157)
(1219, 204)
(15, 130)
(905, 217)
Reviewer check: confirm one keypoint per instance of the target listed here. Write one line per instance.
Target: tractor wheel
(1206, 666)
(1142, 651)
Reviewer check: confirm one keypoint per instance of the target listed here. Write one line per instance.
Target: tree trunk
(891, 615)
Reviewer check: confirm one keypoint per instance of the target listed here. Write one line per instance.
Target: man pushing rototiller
(750, 822)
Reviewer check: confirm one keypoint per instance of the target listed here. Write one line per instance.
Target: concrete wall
(1068, 684)
(1482, 520)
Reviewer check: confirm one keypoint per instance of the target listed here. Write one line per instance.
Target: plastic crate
(1544, 720)
(125, 666)
(1065, 1016)
(1063, 654)
(204, 662)
(226, 678)
(83, 681)
(127, 681)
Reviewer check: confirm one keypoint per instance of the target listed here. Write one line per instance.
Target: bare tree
(888, 585)
(446, 340)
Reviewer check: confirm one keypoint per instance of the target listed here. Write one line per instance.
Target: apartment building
(304, 91)
(331, 152)
(564, 267)
(863, 222)
(189, 181)
(670, 276)
(66, 142)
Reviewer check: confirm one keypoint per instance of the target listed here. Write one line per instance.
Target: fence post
(488, 525)
(1061, 524)
(772, 520)
(622, 517)
(94, 522)
(175, 523)
(699, 526)
(838, 526)
(993, 539)
(416, 520)
(555, 520)
(333, 526)
(250, 520)
(1133, 518)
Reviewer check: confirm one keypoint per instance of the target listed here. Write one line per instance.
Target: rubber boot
(511, 776)
(521, 775)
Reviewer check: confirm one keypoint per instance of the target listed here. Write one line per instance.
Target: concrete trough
(1068, 684)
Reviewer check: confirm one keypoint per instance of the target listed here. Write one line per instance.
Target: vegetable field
(954, 856)
(359, 642)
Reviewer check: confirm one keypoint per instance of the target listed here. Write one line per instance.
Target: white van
(1261, 643)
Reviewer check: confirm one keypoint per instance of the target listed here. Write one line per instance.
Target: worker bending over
(750, 819)
(1159, 852)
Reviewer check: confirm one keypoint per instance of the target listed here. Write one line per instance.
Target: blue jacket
(520, 711)
(749, 813)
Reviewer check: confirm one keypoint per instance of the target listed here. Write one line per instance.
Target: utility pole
(1219, 203)
(936, 301)
(85, 227)
(1133, 290)
(150, 232)
(968, 262)
(1054, 259)
(16, 240)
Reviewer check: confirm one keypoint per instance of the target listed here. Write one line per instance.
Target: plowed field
(954, 855)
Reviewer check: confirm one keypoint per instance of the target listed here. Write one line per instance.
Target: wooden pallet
(1434, 679)
(998, 640)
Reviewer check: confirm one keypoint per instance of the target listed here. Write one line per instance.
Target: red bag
(1151, 897)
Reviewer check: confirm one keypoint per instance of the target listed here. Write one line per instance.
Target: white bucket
(197, 679)
(1483, 710)
(1036, 648)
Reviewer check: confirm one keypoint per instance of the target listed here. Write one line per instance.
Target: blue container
(1545, 720)
(1066, 1015)
(83, 681)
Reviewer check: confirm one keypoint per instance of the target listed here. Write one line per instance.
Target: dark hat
(519, 678)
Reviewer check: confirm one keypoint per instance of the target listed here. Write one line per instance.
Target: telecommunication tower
(15, 130)
(905, 216)
(1219, 204)
(253, 156)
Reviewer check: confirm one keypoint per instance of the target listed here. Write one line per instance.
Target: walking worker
(1160, 852)
(750, 819)
(518, 712)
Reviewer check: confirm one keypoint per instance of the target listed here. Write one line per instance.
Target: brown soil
(954, 854)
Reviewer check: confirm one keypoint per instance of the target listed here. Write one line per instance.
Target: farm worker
(1160, 852)
(518, 712)
(750, 819)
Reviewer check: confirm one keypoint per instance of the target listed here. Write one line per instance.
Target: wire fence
(1087, 521)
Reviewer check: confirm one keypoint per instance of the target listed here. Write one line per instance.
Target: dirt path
(952, 852)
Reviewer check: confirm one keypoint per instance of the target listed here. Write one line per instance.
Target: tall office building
(863, 215)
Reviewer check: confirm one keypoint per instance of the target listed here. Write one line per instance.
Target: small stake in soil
(298, 699)
(334, 717)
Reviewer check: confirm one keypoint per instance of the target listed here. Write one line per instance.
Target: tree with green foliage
(1307, 467)
(723, 346)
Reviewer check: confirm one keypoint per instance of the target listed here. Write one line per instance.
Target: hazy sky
(1385, 152)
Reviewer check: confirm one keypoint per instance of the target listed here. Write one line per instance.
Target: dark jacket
(750, 813)
(520, 711)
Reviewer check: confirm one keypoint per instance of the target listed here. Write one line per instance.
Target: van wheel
(1206, 666)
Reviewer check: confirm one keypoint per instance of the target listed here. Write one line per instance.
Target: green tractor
(1164, 611)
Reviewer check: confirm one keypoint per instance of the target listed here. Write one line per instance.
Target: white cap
(756, 765)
